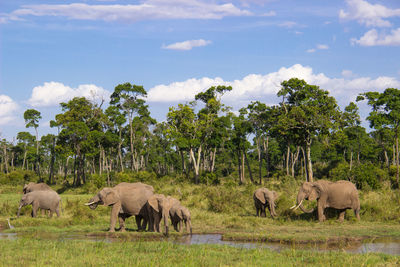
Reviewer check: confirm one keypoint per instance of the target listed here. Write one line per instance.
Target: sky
(52, 51)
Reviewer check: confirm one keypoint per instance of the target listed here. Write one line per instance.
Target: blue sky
(51, 51)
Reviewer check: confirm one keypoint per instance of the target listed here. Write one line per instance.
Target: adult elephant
(45, 200)
(340, 195)
(30, 187)
(158, 207)
(126, 199)
(265, 198)
(180, 214)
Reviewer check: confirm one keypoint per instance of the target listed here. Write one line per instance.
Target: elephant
(126, 199)
(35, 187)
(180, 214)
(340, 195)
(45, 200)
(265, 198)
(30, 187)
(158, 207)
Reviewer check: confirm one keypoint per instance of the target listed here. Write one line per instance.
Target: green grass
(226, 209)
(38, 252)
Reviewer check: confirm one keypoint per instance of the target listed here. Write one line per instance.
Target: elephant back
(133, 196)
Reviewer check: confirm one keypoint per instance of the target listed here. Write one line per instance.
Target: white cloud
(368, 14)
(318, 47)
(7, 109)
(147, 10)
(373, 38)
(264, 87)
(187, 45)
(347, 73)
(53, 93)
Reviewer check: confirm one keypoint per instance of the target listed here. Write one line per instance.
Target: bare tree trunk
(309, 163)
(351, 159)
(397, 158)
(248, 167)
(295, 157)
(287, 160)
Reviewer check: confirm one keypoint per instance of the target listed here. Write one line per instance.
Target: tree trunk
(196, 163)
(248, 167)
(397, 158)
(287, 160)
(52, 160)
(309, 164)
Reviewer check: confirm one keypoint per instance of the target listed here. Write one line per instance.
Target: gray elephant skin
(180, 214)
(264, 198)
(158, 207)
(340, 195)
(30, 187)
(126, 200)
(45, 200)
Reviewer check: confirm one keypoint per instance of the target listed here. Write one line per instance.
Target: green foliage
(18, 177)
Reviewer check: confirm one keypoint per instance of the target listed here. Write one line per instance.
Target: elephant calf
(265, 198)
(178, 215)
(45, 200)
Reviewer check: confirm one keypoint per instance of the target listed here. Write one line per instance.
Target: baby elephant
(265, 198)
(45, 200)
(180, 214)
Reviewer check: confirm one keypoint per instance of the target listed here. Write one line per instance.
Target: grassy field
(226, 209)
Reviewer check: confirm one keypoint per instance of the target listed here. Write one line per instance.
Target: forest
(305, 137)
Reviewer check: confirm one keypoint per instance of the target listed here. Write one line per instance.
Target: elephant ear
(180, 213)
(109, 197)
(153, 202)
(24, 189)
(275, 195)
(260, 196)
(316, 190)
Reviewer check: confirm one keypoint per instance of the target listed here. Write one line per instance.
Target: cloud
(318, 47)
(264, 87)
(373, 38)
(7, 109)
(53, 93)
(368, 14)
(187, 45)
(147, 10)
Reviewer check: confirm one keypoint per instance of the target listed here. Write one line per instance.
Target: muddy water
(382, 245)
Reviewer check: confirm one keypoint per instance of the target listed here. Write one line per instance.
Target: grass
(37, 252)
(227, 209)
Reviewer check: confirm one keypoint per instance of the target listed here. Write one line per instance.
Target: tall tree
(129, 98)
(312, 112)
(385, 114)
(32, 117)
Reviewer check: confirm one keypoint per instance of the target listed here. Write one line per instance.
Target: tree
(385, 114)
(32, 117)
(128, 98)
(310, 110)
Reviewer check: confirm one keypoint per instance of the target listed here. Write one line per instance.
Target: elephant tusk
(296, 207)
(88, 204)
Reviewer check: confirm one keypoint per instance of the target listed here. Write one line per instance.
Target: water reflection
(387, 246)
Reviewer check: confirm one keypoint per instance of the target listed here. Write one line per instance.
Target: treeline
(304, 136)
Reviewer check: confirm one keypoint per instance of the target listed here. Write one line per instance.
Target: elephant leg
(357, 213)
(156, 221)
(180, 226)
(138, 220)
(51, 213)
(43, 212)
(321, 216)
(114, 215)
(341, 215)
(58, 211)
(34, 210)
(121, 220)
(145, 223)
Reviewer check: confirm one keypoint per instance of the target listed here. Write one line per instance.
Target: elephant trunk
(189, 226)
(299, 202)
(272, 209)
(19, 210)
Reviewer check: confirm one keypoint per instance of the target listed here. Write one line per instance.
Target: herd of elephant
(150, 209)
(340, 195)
(126, 199)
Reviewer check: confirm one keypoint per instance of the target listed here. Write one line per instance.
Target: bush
(18, 177)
